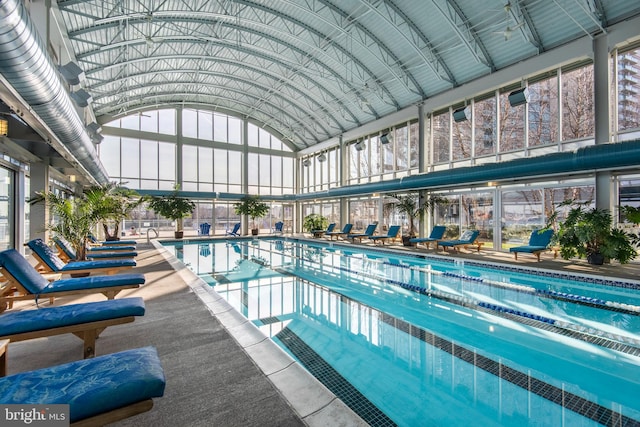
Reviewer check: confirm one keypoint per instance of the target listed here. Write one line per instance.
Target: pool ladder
(154, 230)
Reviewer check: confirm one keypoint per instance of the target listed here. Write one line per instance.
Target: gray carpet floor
(211, 381)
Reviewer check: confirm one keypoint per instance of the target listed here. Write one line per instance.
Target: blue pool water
(413, 341)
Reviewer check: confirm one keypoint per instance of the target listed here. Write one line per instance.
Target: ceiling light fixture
(322, 157)
(360, 145)
(386, 138)
(306, 162)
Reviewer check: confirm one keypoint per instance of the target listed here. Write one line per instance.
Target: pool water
(412, 341)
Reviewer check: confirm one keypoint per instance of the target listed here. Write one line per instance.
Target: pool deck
(220, 369)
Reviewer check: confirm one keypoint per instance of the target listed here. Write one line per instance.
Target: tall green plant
(313, 222)
(73, 219)
(173, 207)
(114, 204)
(253, 207)
(409, 205)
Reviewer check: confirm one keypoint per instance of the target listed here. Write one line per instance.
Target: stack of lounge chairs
(99, 390)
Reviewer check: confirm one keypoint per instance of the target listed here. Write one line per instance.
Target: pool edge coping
(314, 403)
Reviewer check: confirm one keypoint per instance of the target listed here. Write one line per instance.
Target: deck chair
(320, 233)
(538, 243)
(49, 262)
(371, 228)
(68, 254)
(392, 234)
(99, 391)
(277, 229)
(23, 282)
(436, 235)
(86, 321)
(466, 240)
(345, 231)
(94, 241)
(234, 231)
(204, 229)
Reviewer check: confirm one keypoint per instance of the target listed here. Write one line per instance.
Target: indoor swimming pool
(414, 340)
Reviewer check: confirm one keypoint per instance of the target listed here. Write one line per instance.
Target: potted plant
(589, 232)
(412, 208)
(73, 220)
(315, 223)
(173, 207)
(253, 207)
(114, 204)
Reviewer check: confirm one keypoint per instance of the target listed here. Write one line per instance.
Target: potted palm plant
(253, 207)
(73, 219)
(589, 233)
(114, 204)
(173, 207)
(410, 206)
(314, 223)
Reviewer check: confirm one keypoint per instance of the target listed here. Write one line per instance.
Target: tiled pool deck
(221, 370)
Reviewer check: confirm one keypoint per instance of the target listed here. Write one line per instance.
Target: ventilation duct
(586, 159)
(26, 66)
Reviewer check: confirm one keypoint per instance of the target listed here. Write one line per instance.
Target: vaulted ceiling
(311, 70)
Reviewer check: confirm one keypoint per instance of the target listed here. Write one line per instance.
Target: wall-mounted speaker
(462, 114)
(72, 73)
(519, 97)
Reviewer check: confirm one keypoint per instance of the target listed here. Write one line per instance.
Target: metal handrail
(148, 230)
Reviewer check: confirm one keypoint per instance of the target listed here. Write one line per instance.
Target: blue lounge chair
(94, 241)
(49, 262)
(345, 231)
(67, 254)
(24, 282)
(204, 229)
(371, 228)
(466, 240)
(320, 233)
(99, 390)
(277, 229)
(436, 235)
(235, 231)
(392, 233)
(538, 243)
(86, 321)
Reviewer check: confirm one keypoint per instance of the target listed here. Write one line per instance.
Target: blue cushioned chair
(24, 282)
(320, 233)
(371, 228)
(68, 254)
(466, 240)
(392, 233)
(234, 231)
(48, 261)
(99, 391)
(538, 243)
(94, 241)
(436, 235)
(345, 231)
(278, 228)
(86, 321)
(204, 229)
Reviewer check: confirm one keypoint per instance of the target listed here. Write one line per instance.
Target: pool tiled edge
(311, 400)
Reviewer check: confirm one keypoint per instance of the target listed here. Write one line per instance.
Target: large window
(577, 103)
(211, 158)
(628, 66)
(543, 112)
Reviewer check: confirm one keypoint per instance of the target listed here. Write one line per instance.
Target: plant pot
(595, 258)
(406, 241)
(111, 238)
(75, 275)
(254, 231)
(178, 234)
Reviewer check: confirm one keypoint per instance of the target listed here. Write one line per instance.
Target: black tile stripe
(580, 405)
(332, 379)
